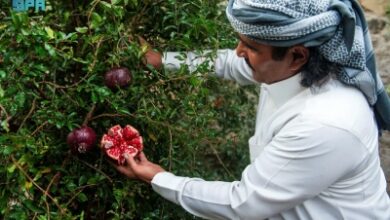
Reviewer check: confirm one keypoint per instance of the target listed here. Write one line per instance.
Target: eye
(246, 44)
(249, 46)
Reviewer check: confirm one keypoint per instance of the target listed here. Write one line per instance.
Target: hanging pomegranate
(81, 140)
(117, 77)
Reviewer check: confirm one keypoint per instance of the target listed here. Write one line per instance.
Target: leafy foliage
(51, 73)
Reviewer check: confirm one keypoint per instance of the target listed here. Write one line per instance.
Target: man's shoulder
(338, 105)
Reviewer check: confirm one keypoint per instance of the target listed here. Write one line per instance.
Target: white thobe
(314, 155)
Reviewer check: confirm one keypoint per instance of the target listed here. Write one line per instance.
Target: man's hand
(139, 168)
(151, 56)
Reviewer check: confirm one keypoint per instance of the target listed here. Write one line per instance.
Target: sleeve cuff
(171, 61)
(169, 186)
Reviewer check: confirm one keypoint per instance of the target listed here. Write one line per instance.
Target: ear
(300, 56)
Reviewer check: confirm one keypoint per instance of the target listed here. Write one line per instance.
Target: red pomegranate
(117, 77)
(119, 141)
(81, 140)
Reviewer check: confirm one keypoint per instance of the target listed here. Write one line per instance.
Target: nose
(240, 50)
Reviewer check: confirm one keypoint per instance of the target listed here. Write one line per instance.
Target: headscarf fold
(337, 27)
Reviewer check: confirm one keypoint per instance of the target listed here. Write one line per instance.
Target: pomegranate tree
(119, 141)
(81, 140)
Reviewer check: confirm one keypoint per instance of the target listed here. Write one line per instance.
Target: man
(314, 154)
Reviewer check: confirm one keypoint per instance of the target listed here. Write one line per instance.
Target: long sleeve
(226, 64)
(297, 165)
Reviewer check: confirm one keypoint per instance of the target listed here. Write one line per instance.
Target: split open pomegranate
(119, 141)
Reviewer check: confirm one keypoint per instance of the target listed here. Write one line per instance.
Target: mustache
(247, 62)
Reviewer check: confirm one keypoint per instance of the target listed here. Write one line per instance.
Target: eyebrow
(246, 43)
(239, 37)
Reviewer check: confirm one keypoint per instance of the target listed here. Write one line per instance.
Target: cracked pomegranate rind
(119, 141)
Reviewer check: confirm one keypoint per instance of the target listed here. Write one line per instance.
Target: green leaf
(20, 99)
(96, 20)
(105, 5)
(7, 150)
(82, 197)
(25, 31)
(3, 26)
(32, 206)
(94, 97)
(82, 180)
(80, 60)
(71, 186)
(81, 30)
(50, 49)
(5, 125)
(115, 2)
(49, 32)
(3, 74)
(1, 92)
(18, 19)
(11, 168)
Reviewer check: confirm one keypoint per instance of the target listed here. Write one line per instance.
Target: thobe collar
(282, 91)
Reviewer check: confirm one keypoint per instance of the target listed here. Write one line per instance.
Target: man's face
(259, 58)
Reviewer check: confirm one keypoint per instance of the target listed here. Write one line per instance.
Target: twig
(167, 125)
(57, 175)
(28, 115)
(171, 79)
(98, 170)
(3, 110)
(220, 161)
(90, 68)
(35, 184)
(110, 116)
(7, 117)
(92, 9)
(39, 128)
(60, 86)
(69, 98)
(170, 150)
(89, 115)
(80, 189)
(64, 87)
(48, 210)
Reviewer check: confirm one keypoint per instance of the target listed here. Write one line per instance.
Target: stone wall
(379, 26)
(379, 7)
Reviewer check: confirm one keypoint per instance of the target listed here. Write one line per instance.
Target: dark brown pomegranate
(119, 141)
(81, 140)
(117, 77)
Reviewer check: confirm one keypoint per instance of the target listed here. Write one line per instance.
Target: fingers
(142, 157)
(122, 169)
(125, 170)
(143, 42)
(131, 161)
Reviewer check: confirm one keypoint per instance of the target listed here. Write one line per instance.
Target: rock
(376, 6)
(380, 33)
(376, 23)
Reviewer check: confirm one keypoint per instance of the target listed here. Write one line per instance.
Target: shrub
(52, 66)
